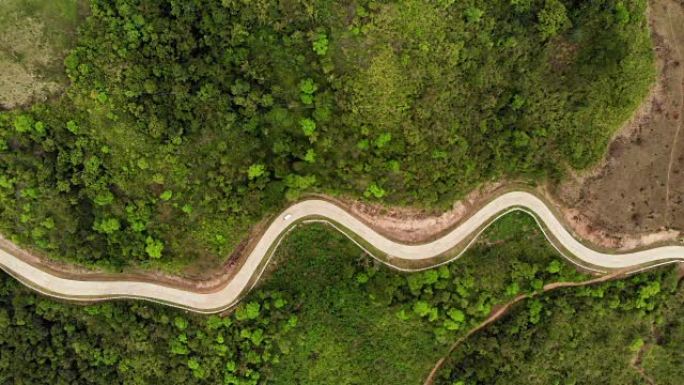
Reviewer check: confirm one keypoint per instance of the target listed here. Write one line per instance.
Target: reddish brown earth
(412, 225)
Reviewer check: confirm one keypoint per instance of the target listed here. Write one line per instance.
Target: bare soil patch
(414, 225)
(639, 188)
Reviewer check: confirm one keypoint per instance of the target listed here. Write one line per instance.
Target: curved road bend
(221, 299)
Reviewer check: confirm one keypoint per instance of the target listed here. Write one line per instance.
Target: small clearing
(639, 188)
(35, 36)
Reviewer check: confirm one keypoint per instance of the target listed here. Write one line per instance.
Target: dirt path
(635, 363)
(501, 310)
(673, 149)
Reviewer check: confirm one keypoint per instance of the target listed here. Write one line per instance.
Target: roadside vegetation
(188, 121)
(327, 313)
(361, 322)
(47, 342)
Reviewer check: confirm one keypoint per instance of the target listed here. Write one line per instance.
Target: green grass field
(34, 38)
(344, 337)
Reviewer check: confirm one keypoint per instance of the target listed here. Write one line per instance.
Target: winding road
(401, 256)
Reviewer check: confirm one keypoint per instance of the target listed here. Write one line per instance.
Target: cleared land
(640, 186)
(34, 38)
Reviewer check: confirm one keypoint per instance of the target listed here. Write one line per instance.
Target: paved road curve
(243, 280)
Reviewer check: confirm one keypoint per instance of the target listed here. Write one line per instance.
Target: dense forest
(359, 321)
(331, 314)
(187, 121)
(44, 342)
(624, 332)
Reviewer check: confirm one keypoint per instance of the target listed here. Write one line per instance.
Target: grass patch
(34, 38)
(343, 336)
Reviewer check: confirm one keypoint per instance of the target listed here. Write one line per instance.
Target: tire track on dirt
(673, 149)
